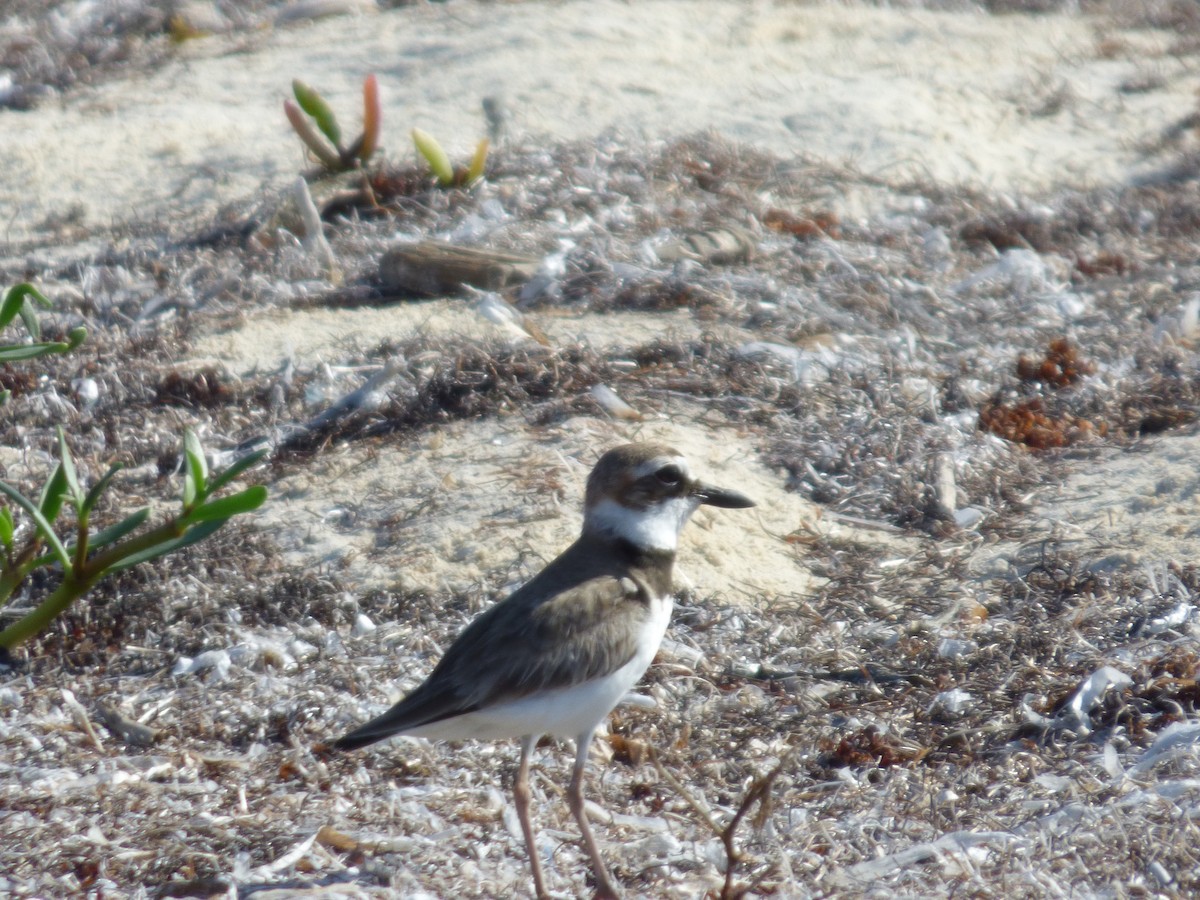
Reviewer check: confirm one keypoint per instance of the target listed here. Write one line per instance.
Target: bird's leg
(522, 795)
(605, 890)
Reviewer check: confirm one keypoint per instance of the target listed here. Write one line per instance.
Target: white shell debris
(331, 644)
(1019, 270)
(808, 366)
(945, 490)
(308, 10)
(640, 701)
(683, 653)
(953, 701)
(955, 648)
(362, 626)
(217, 660)
(1188, 328)
(968, 517)
(1111, 763)
(286, 861)
(314, 240)
(1031, 715)
(495, 309)
(608, 400)
(944, 849)
(1090, 693)
(1182, 612)
(552, 268)
(1176, 740)
(1055, 784)
(87, 390)
(259, 650)
(58, 782)
(1160, 873)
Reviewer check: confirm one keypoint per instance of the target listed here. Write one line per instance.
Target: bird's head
(645, 493)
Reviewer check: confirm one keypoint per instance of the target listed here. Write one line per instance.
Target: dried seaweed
(911, 720)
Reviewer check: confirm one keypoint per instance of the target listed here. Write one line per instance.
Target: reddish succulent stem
(372, 118)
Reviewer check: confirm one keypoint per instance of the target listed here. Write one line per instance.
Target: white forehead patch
(656, 527)
(651, 466)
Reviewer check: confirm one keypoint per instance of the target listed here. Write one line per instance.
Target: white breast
(565, 712)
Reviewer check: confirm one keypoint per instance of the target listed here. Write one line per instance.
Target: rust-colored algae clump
(1029, 421)
(1061, 366)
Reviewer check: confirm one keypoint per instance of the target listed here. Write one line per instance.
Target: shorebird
(557, 655)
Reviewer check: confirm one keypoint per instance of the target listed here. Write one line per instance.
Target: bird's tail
(361, 737)
(421, 707)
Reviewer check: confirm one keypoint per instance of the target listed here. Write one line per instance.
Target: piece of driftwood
(133, 733)
(431, 268)
(720, 246)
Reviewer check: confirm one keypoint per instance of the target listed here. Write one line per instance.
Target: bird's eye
(669, 475)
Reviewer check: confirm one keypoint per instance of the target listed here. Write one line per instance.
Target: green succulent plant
(55, 532)
(313, 120)
(439, 162)
(82, 558)
(19, 301)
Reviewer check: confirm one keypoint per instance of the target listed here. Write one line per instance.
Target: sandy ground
(1010, 102)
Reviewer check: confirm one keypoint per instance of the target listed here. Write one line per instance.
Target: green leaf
(191, 536)
(317, 107)
(89, 502)
(76, 336)
(18, 352)
(318, 145)
(70, 476)
(45, 559)
(241, 502)
(14, 302)
(439, 162)
(114, 533)
(221, 479)
(195, 477)
(6, 526)
(29, 317)
(39, 520)
(478, 161)
(195, 454)
(53, 494)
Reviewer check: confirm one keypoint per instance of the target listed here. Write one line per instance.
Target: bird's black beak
(715, 496)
